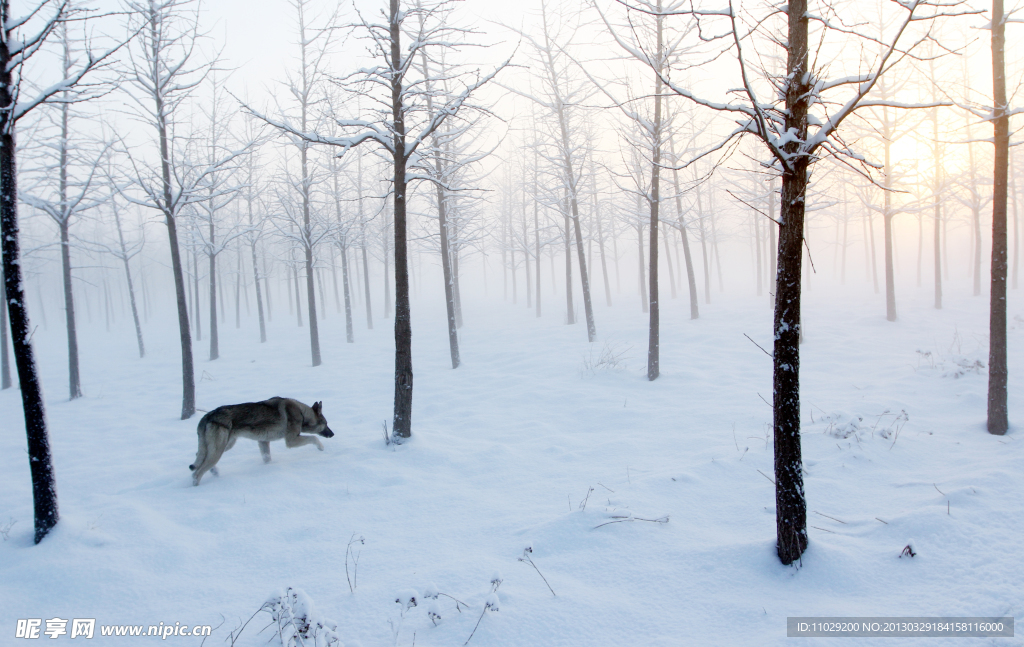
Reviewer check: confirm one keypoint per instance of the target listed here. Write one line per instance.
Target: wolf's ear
(318, 406)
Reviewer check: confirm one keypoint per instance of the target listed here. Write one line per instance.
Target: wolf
(264, 421)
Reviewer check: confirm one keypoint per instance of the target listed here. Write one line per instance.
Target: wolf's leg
(217, 441)
(298, 440)
(265, 450)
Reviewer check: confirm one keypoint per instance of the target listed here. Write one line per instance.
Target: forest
(714, 306)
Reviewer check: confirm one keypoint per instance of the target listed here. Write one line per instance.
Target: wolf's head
(319, 426)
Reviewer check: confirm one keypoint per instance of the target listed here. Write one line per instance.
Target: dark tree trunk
(5, 360)
(998, 417)
(402, 426)
(44, 488)
(790, 504)
(937, 207)
(188, 400)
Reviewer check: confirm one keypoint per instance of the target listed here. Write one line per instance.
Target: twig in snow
(824, 529)
(353, 581)
(233, 636)
(526, 558)
(607, 488)
(222, 621)
(479, 620)
(583, 504)
(620, 519)
(492, 603)
(758, 345)
(766, 476)
(765, 401)
(828, 517)
(457, 602)
(938, 490)
(5, 529)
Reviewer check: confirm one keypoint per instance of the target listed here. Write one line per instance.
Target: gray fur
(263, 422)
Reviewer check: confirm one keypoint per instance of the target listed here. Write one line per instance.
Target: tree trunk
(195, 288)
(214, 336)
(128, 277)
(446, 266)
(259, 293)
(238, 290)
(343, 247)
(570, 316)
(188, 401)
(266, 286)
(402, 426)
(653, 341)
(536, 222)
(790, 505)
(757, 252)
(5, 360)
(74, 382)
(44, 488)
(641, 270)
(690, 278)
(887, 215)
(998, 417)
(349, 335)
(937, 207)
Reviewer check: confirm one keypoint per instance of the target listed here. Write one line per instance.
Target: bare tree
(998, 416)
(221, 190)
(562, 99)
(163, 72)
(798, 124)
(15, 51)
(400, 125)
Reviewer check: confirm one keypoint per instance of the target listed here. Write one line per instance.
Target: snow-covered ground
(533, 442)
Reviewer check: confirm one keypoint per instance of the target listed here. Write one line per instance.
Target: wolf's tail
(201, 452)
